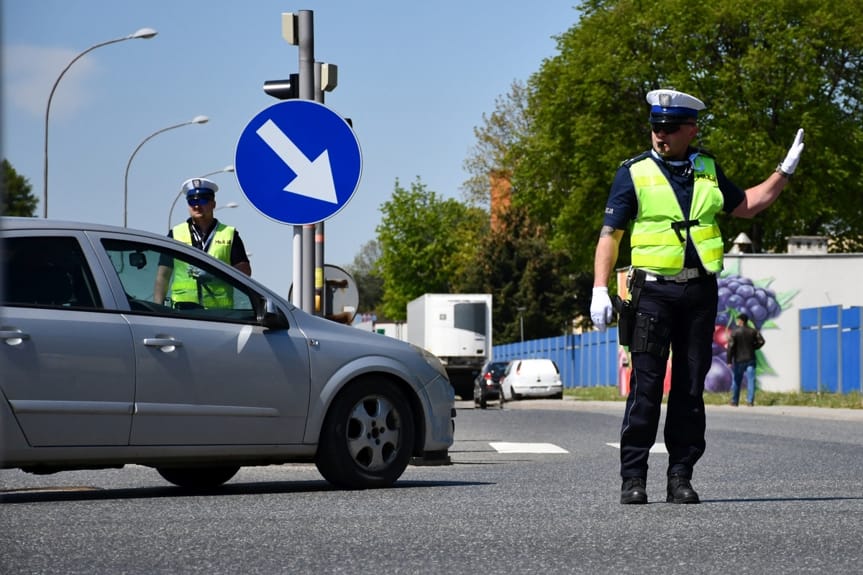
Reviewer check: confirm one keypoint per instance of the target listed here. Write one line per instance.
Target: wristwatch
(782, 172)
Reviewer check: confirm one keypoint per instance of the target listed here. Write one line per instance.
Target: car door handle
(166, 344)
(13, 336)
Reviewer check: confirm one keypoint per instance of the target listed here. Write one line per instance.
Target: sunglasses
(198, 201)
(668, 128)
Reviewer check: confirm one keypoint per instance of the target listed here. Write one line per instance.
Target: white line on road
(506, 447)
(657, 447)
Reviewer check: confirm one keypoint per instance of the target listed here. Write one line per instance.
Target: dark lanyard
(203, 242)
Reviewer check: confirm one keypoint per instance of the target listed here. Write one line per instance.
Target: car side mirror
(270, 316)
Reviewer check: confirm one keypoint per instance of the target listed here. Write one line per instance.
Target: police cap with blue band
(673, 107)
(200, 187)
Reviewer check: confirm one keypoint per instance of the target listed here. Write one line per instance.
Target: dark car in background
(486, 386)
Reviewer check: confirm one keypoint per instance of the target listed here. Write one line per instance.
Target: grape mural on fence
(739, 294)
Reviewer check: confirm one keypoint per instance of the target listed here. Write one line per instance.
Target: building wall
(800, 281)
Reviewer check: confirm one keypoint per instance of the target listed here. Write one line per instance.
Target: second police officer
(203, 231)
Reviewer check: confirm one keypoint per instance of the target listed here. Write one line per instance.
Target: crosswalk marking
(509, 447)
(657, 447)
(520, 447)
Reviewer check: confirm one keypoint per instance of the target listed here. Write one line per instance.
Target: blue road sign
(298, 162)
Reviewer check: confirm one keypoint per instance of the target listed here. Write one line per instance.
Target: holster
(625, 320)
(626, 308)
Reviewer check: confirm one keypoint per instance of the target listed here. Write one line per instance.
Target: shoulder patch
(632, 160)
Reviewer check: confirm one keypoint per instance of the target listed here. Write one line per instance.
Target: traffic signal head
(284, 89)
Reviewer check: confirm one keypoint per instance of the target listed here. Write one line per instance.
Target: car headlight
(431, 359)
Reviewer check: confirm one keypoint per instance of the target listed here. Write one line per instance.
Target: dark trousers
(684, 316)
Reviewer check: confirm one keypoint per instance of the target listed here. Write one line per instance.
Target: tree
(365, 273)
(763, 68)
(18, 199)
(426, 245)
(491, 155)
(517, 267)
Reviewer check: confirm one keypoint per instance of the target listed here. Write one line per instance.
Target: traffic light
(284, 89)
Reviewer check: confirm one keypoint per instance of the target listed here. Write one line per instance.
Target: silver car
(96, 374)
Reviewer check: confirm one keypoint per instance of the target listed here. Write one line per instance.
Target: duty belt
(685, 275)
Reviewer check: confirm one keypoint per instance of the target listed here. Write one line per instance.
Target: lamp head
(144, 34)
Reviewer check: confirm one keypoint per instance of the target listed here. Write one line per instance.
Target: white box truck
(457, 329)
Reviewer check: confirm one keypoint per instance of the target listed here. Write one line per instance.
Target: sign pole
(306, 280)
(317, 146)
(320, 299)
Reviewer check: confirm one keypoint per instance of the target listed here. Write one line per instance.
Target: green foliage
(427, 245)
(18, 199)
(495, 139)
(764, 69)
(517, 267)
(370, 285)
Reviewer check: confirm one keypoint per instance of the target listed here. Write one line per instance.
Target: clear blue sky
(415, 78)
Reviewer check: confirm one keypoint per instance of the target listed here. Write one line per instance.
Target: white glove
(200, 275)
(789, 164)
(600, 308)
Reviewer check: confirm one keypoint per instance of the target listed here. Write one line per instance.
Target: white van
(531, 378)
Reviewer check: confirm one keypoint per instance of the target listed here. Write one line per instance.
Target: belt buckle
(688, 274)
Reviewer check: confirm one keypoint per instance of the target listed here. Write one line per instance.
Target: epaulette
(705, 152)
(632, 160)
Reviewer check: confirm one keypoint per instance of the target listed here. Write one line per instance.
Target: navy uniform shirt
(622, 206)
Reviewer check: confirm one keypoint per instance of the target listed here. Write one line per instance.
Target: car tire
(483, 402)
(198, 477)
(367, 437)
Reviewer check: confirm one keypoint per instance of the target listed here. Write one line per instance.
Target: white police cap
(671, 106)
(199, 186)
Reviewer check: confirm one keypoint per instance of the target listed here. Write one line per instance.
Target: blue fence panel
(852, 350)
(809, 354)
(831, 349)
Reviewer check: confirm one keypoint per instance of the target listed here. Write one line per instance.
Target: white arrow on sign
(314, 178)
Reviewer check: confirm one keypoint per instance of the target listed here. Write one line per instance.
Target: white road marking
(508, 447)
(657, 447)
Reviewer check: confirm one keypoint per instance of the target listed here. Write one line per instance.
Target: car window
(538, 366)
(161, 281)
(498, 368)
(47, 271)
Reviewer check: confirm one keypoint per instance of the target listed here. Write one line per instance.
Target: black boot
(633, 491)
(680, 490)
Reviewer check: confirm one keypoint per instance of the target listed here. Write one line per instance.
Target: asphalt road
(533, 488)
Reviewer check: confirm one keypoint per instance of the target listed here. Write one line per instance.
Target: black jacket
(742, 344)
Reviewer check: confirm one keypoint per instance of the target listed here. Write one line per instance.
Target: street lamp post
(228, 168)
(143, 33)
(195, 120)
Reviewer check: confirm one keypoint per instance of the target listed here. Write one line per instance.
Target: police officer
(669, 197)
(203, 231)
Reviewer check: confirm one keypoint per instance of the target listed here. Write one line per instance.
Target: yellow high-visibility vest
(210, 294)
(657, 246)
